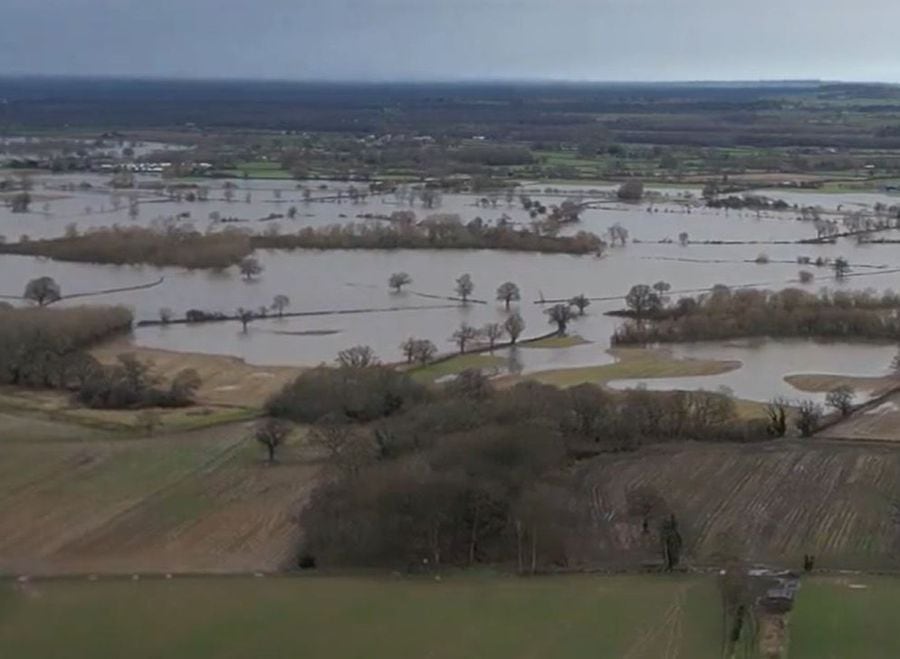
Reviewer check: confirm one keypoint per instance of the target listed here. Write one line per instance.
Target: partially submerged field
(230, 390)
(640, 617)
(633, 363)
(73, 500)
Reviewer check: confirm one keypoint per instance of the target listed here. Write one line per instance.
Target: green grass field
(846, 617)
(259, 169)
(634, 363)
(639, 617)
(434, 372)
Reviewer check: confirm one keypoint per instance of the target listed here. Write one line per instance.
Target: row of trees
(490, 333)
(444, 232)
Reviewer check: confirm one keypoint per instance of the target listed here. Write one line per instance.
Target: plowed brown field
(771, 502)
(200, 501)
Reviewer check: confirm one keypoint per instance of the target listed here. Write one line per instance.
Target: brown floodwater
(357, 280)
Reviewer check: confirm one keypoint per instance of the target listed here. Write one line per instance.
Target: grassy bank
(633, 363)
(434, 372)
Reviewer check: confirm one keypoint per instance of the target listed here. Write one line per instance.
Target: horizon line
(438, 80)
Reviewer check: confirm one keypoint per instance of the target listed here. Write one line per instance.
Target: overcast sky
(454, 39)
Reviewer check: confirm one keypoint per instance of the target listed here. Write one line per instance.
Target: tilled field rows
(767, 503)
(196, 502)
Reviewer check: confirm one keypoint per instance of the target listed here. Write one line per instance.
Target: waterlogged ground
(355, 282)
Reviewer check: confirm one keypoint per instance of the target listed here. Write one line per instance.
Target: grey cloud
(452, 39)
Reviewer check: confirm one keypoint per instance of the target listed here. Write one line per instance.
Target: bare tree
(246, 316)
(643, 300)
(464, 287)
(808, 416)
(464, 335)
(357, 357)
(507, 293)
(776, 411)
(398, 280)
(250, 267)
(419, 350)
(165, 315)
(493, 332)
(841, 399)
(841, 267)
(43, 290)
(272, 434)
(348, 450)
(560, 315)
(424, 351)
(662, 289)
(672, 542)
(514, 326)
(645, 503)
(331, 434)
(409, 349)
(580, 302)
(280, 303)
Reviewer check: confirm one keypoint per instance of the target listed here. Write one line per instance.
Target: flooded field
(354, 283)
(765, 364)
(88, 201)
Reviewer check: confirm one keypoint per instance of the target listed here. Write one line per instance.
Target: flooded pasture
(348, 302)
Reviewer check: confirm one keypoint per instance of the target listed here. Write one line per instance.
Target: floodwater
(87, 201)
(765, 364)
(356, 281)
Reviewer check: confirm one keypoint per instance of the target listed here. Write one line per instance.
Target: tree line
(447, 232)
(183, 246)
(466, 473)
(726, 314)
(176, 246)
(47, 348)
